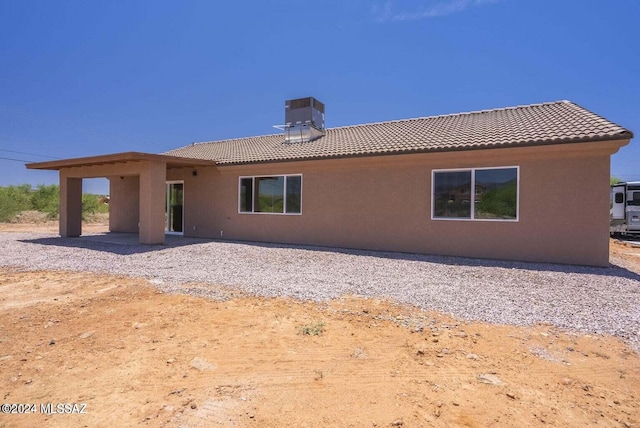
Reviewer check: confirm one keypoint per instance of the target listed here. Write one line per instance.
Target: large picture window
(494, 195)
(274, 194)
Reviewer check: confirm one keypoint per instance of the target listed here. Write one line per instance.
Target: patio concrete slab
(134, 240)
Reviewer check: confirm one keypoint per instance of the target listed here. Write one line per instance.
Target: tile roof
(537, 124)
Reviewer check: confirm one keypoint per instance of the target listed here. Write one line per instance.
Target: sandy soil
(138, 357)
(34, 221)
(625, 255)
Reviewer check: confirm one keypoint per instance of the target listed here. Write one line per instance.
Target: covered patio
(137, 186)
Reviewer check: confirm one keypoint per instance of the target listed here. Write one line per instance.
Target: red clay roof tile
(537, 124)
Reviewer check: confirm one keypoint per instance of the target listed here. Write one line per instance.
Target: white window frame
(473, 194)
(253, 186)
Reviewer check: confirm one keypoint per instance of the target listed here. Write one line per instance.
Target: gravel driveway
(596, 300)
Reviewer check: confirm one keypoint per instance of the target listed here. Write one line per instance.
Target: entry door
(174, 208)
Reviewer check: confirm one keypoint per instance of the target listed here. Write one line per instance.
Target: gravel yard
(597, 300)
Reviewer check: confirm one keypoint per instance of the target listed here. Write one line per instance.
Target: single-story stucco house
(524, 183)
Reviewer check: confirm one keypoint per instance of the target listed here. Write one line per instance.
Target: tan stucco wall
(149, 192)
(70, 208)
(378, 202)
(384, 203)
(153, 176)
(200, 199)
(124, 202)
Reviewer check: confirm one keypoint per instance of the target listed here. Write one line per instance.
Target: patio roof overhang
(150, 190)
(116, 158)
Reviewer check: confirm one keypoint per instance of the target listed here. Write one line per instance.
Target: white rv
(625, 209)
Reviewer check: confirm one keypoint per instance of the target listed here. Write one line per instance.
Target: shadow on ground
(128, 244)
(117, 243)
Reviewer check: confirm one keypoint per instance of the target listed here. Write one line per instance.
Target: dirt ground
(137, 357)
(34, 221)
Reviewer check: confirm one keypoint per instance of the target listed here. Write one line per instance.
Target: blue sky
(82, 78)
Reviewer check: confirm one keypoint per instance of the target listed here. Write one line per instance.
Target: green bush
(91, 205)
(46, 199)
(14, 199)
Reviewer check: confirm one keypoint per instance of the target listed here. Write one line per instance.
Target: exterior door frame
(169, 209)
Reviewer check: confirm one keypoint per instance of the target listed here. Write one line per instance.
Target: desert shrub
(312, 329)
(91, 205)
(14, 199)
(46, 199)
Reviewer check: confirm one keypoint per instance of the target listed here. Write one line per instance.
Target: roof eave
(176, 161)
(623, 136)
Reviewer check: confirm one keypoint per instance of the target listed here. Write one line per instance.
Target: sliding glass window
(494, 196)
(277, 194)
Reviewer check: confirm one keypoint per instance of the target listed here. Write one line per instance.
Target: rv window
(619, 198)
(636, 199)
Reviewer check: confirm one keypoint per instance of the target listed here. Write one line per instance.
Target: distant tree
(615, 180)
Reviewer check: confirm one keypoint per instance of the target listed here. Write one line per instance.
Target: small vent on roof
(304, 120)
